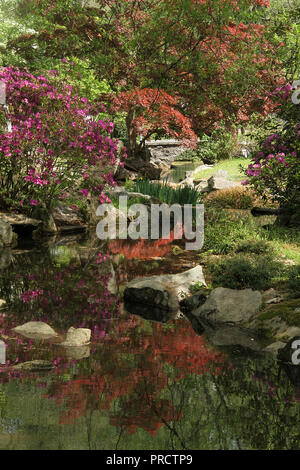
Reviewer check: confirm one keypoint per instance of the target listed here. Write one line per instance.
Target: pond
(141, 383)
(177, 173)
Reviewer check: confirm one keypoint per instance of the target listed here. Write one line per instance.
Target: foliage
(232, 198)
(151, 111)
(214, 56)
(275, 170)
(223, 232)
(196, 287)
(293, 279)
(167, 194)
(226, 232)
(244, 271)
(257, 247)
(61, 291)
(53, 142)
(221, 144)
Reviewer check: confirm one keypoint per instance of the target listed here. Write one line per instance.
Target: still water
(141, 383)
(179, 169)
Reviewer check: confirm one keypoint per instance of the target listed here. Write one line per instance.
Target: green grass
(231, 166)
(249, 255)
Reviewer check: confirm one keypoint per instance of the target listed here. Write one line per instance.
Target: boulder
(35, 330)
(218, 182)
(20, 224)
(187, 182)
(78, 352)
(2, 303)
(37, 365)
(77, 337)
(163, 291)
(229, 305)
(271, 296)
(6, 258)
(7, 236)
(66, 215)
(273, 348)
(164, 152)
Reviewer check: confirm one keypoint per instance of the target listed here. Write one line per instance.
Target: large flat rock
(163, 291)
(229, 305)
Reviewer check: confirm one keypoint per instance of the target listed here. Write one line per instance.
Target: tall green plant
(165, 193)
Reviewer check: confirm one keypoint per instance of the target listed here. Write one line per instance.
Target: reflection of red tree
(145, 249)
(131, 367)
(141, 249)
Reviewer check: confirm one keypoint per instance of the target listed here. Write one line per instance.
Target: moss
(285, 311)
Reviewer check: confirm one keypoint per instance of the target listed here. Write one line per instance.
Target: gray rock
(35, 366)
(65, 215)
(16, 222)
(77, 337)
(274, 347)
(218, 182)
(78, 352)
(163, 291)
(289, 332)
(35, 330)
(7, 236)
(229, 305)
(2, 303)
(269, 294)
(187, 182)
(6, 258)
(164, 151)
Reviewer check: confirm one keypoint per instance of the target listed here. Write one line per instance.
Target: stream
(141, 383)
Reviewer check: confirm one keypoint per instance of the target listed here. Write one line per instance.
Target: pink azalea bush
(50, 139)
(274, 172)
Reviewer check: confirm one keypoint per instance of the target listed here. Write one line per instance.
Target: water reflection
(141, 384)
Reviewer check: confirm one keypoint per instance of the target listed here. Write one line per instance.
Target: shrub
(244, 271)
(275, 169)
(167, 194)
(257, 247)
(232, 198)
(53, 142)
(223, 233)
(220, 145)
(293, 281)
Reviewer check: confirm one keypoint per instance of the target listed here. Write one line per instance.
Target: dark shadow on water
(149, 312)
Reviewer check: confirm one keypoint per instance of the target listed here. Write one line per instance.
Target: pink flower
(85, 192)
(34, 202)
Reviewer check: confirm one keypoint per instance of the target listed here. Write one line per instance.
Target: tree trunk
(131, 150)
